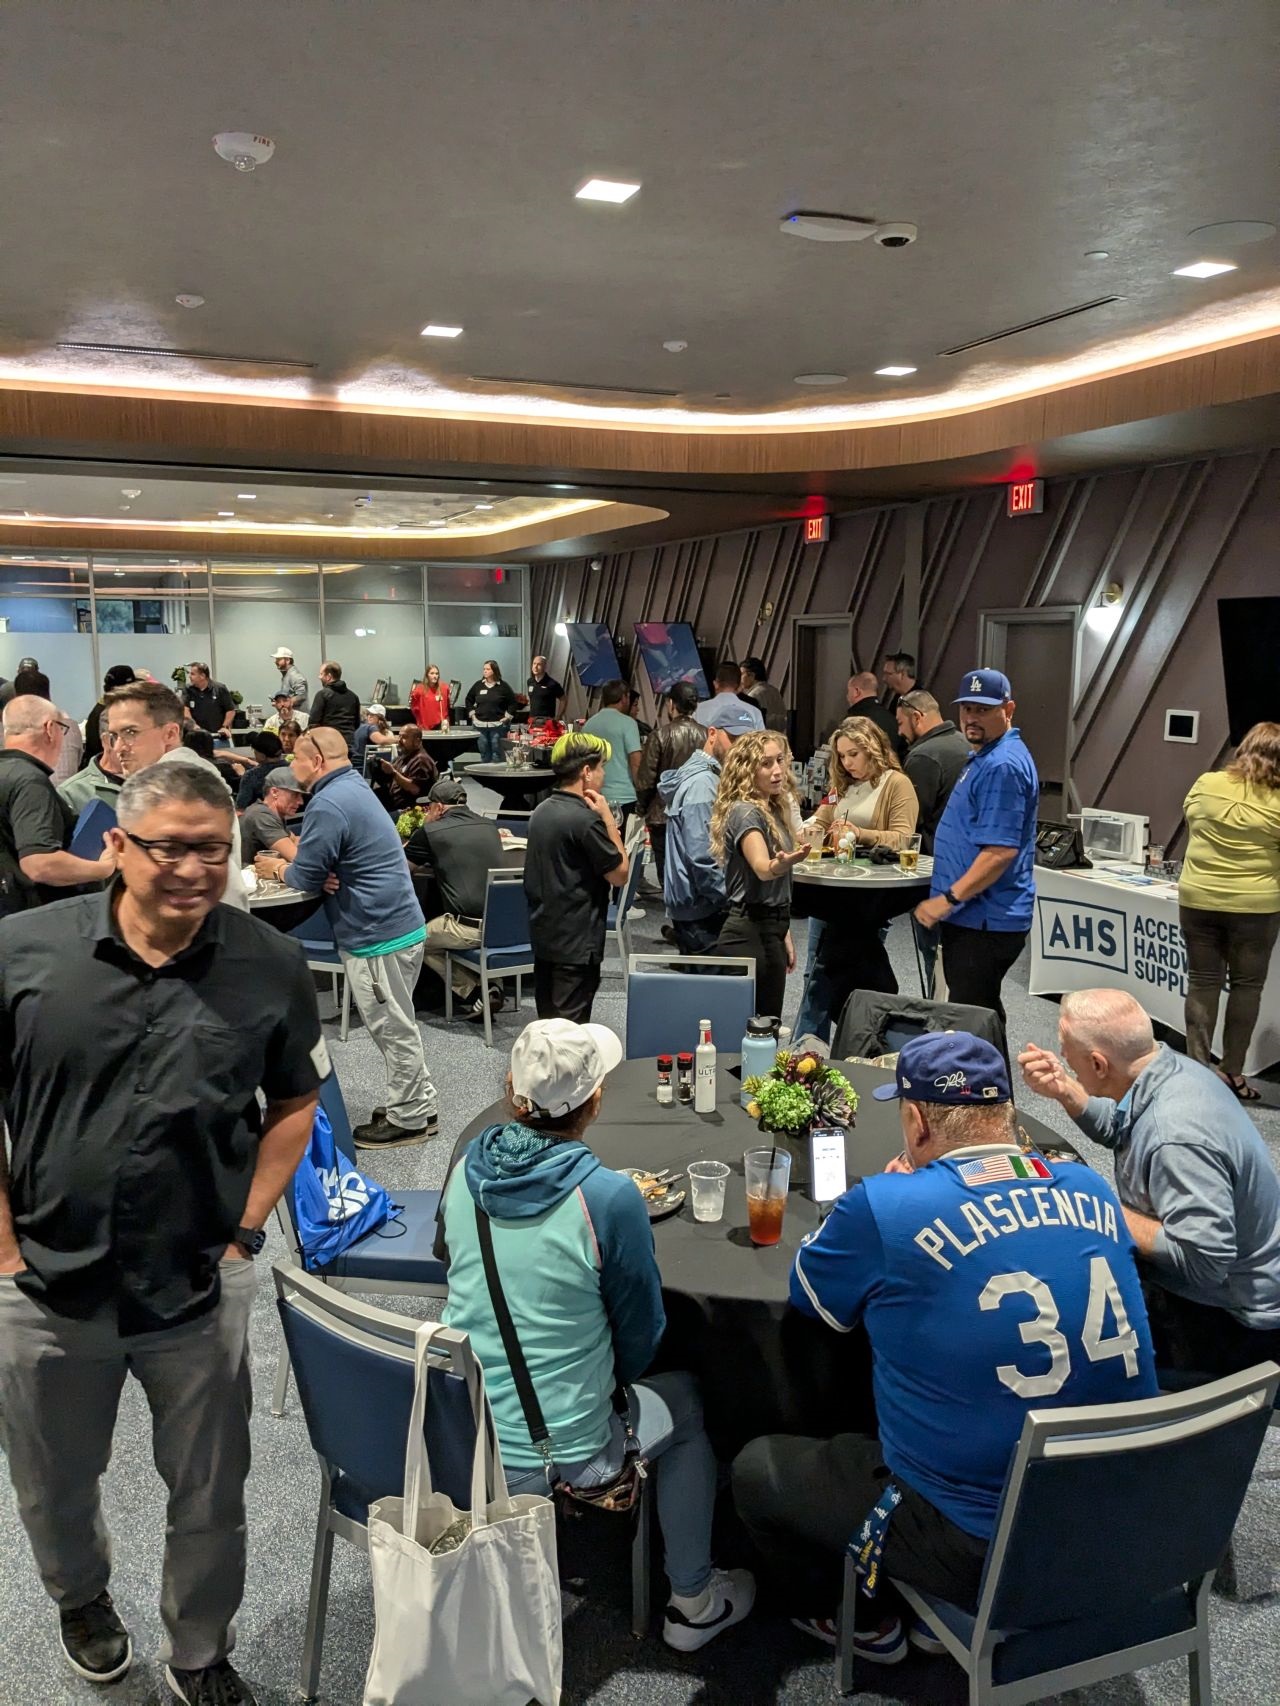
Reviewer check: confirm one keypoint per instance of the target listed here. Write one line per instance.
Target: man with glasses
(35, 825)
(144, 727)
(137, 1027)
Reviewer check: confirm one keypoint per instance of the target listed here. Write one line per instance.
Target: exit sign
(817, 529)
(1026, 497)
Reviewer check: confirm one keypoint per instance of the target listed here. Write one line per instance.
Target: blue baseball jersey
(990, 1283)
(993, 804)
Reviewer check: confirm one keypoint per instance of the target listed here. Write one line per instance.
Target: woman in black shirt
(753, 837)
(489, 705)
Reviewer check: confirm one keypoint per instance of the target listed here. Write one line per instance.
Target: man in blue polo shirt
(983, 889)
(990, 1282)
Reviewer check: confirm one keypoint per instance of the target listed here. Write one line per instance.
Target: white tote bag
(478, 1625)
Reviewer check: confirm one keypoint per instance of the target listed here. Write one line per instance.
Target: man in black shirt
(207, 703)
(136, 1028)
(335, 706)
(574, 857)
(936, 754)
(862, 702)
(545, 694)
(268, 756)
(459, 848)
(35, 824)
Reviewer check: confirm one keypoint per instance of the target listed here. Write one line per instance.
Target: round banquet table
(284, 909)
(520, 786)
(444, 744)
(763, 1367)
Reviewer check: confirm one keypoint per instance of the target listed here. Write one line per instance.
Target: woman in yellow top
(874, 801)
(1229, 898)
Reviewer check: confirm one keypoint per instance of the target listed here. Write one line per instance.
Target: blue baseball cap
(734, 719)
(984, 687)
(954, 1068)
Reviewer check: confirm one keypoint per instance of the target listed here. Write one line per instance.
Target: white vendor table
(1116, 929)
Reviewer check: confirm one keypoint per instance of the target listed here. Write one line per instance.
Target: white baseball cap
(556, 1065)
(282, 652)
(375, 710)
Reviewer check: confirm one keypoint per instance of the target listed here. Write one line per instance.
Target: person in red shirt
(429, 700)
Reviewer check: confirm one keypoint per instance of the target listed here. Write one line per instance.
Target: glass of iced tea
(909, 854)
(768, 1174)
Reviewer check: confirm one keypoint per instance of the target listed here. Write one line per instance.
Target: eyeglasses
(165, 853)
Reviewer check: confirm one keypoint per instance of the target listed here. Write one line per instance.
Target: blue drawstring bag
(334, 1206)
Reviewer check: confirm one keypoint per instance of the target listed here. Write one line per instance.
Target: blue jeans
(814, 1017)
(491, 741)
(666, 1414)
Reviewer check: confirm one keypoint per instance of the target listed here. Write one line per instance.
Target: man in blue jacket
(378, 926)
(693, 878)
(1199, 1189)
(990, 1281)
(573, 1252)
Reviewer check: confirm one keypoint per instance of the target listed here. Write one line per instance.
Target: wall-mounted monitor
(591, 645)
(670, 654)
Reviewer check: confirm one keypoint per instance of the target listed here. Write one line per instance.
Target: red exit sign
(1026, 497)
(817, 529)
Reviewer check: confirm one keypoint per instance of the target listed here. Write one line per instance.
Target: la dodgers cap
(984, 687)
(953, 1068)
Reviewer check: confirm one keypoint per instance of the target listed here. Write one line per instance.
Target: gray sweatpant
(60, 1385)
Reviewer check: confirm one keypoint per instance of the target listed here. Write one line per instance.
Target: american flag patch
(993, 1168)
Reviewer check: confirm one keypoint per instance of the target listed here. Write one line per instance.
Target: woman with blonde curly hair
(1229, 899)
(753, 838)
(874, 801)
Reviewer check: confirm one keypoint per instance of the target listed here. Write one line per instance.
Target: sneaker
(922, 1638)
(215, 1685)
(95, 1641)
(886, 1645)
(731, 1595)
(474, 1008)
(384, 1134)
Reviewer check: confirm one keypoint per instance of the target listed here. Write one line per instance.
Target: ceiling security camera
(895, 235)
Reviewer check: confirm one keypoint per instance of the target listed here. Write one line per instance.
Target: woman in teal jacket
(574, 1251)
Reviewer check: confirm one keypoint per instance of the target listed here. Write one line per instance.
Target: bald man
(35, 825)
(1198, 1188)
(861, 696)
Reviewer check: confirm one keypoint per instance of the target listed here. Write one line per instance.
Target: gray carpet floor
(765, 1660)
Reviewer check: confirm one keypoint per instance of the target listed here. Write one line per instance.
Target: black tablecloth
(763, 1367)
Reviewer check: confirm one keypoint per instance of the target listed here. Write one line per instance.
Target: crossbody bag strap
(533, 1417)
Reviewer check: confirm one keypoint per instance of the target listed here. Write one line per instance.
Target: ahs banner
(1092, 930)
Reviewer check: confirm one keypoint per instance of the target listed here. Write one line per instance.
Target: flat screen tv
(1249, 629)
(594, 658)
(670, 654)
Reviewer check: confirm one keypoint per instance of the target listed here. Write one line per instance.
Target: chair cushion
(401, 1250)
(519, 954)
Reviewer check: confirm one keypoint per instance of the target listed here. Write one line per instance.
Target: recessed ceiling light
(436, 521)
(434, 331)
(606, 189)
(131, 491)
(1233, 231)
(126, 506)
(225, 514)
(561, 488)
(1204, 269)
(821, 378)
(894, 372)
(562, 631)
(186, 300)
(1097, 254)
(483, 506)
(247, 497)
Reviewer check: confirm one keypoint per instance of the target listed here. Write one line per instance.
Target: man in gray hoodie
(1199, 1191)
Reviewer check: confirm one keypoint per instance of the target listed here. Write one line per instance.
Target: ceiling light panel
(894, 372)
(1204, 269)
(438, 331)
(606, 189)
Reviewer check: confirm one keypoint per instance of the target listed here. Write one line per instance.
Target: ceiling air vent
(187, 355)
(1031, 325)
(568, 385)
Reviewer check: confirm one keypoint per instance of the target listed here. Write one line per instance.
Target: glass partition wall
(79, 613)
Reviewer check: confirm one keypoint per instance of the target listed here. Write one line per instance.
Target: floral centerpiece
(800, 1091)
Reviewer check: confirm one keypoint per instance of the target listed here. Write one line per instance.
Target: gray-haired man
(136, 1028)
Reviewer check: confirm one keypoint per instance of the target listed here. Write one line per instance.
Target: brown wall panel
(1177, 537)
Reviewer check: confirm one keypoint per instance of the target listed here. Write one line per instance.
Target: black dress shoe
(215, 1685)
(384, 1134)
(95, 1641)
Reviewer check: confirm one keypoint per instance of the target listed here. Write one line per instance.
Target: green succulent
(783, 1106)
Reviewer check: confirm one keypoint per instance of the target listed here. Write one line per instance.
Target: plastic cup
(909, 854)
(768, 1175)
(707, 1180)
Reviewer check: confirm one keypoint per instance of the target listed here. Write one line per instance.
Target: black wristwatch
(951, 898)
(249, 1240)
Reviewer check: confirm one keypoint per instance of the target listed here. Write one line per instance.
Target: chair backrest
(624, 898)
(873, 1023)
(668, 993)
(517, 823)
(316, 930)
(506, 911)
(1108, 1506)
(354, 1366)
(334, 1104)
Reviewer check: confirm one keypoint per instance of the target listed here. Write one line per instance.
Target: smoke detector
(847, 228)
(243, 150)
(188, 300)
